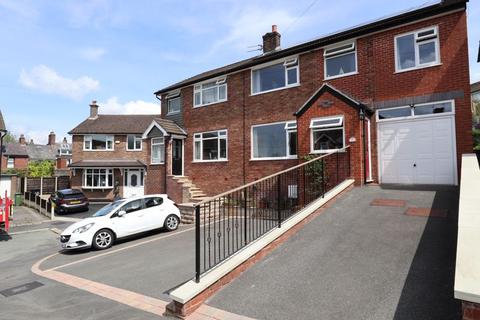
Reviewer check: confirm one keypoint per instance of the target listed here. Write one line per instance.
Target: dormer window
(417, 49)
(210, 92)
(340, 60)
(173, 102)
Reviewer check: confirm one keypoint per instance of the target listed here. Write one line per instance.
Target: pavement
(357, 261)
(23, 216)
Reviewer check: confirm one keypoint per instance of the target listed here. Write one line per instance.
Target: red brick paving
(427, 212)
(388, 203)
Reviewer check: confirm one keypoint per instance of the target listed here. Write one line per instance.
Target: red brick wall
(376, 81)
(155, 179)
(19, 162)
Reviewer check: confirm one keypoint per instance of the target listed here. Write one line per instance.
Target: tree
(44, 168)
(9, 138)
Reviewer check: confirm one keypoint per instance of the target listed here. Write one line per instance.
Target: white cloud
(92, 54)
(47, 80)
(113, 106)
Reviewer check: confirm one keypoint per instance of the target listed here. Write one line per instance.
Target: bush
(45, 168)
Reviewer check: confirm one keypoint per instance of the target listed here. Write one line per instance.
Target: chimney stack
(271, 40)
(51, 139)
(93, 110)
(22, 140)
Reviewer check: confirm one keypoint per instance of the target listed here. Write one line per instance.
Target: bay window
(340, 60)
(99, 142)
(417, 49)
(327, 134)
(98, 178)
(274, 141)
(158, 151)
(275, 76)
(134, 143)
(210, 146)
(210, 92)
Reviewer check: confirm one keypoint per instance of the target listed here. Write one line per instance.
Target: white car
(122, 218)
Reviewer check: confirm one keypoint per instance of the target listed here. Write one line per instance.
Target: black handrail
(235, 218)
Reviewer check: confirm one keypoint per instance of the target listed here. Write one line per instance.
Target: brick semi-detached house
(395, 90)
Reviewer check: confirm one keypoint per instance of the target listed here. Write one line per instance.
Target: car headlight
(84, 228)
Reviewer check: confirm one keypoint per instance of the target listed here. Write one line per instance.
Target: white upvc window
(275, 76)
(158, 151)
(210, 92)
(98, 142)
(134, 142)
(417, 49)
(210, 146)
(327, 134)
(340, 60)
(98, 178)
(174, 102)
(10, 163)
(430, 109)
(274, 141)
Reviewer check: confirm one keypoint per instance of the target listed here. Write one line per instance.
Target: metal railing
(234, 219)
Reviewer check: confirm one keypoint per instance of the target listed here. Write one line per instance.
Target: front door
(133, 183)
(177, 157)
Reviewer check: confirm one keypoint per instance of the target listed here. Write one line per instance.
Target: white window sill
(273, 90)
(327, 151)
(209, 161)
(172, 113)
(96, 188)
(87, 150)
(209, 104)
(273, 159)
(157, 163)
(341, 76)
(131, 150)
(418, 68)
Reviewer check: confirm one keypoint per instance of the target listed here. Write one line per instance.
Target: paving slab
(357, 261)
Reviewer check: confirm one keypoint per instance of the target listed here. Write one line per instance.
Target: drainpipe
(364, 138)
(164, 153)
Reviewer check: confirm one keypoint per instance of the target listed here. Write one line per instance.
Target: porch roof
(108, 164)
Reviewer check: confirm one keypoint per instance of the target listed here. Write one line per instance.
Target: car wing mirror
(121, 213)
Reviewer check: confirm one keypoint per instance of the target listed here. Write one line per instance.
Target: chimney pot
(22, 139)
(271, 40)
(93, 110)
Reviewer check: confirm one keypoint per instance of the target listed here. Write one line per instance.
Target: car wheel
(172, 222)
(103, 239)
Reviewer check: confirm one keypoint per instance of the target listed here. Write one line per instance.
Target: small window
(153, 202)
(340, 60)
(327, 134)
(274, 141)
(276, 76)
(134, 143)
(417, 49)
(210, 146)
(132, 206)
(98, 142)
(394, 113)
(10, 163)
(158, 151)
(173, 102)
(435, 108)
(210, 92)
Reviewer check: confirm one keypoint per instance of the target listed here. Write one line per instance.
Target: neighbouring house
(111, 158)
(475, 89)
(396, 90)
(18, 155)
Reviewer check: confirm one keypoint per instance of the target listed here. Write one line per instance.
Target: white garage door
(418, 151)
(5, 185)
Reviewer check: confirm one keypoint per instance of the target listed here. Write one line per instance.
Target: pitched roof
(118, 163)
(41, 152)
(475, 87)
(16, 149)
(170, 126)
(410, 15)
(115, 123)
(2, 123)
(348, 99)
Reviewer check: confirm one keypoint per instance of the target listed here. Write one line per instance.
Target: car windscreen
(108, 208)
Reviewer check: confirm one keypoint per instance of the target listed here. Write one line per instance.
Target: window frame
(339, 54)
(412, 111)
(135, 138)
(287, 140)
(438, 60)
(107, 136)
(326, 128)
(224, 137)
(219, 81)
(287, 67)
(109, 171)
(10, 162)
(162, 150)
(173, 96)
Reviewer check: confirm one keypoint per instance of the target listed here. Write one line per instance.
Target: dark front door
(177, 157)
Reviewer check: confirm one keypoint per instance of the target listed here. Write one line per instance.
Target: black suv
(69, 200)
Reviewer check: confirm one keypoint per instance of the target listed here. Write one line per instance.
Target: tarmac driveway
(358, 261)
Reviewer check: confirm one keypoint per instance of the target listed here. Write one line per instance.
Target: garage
(5, 185)
(416, 144)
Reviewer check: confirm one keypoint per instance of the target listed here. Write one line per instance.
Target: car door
(133, 219)
(154, 212)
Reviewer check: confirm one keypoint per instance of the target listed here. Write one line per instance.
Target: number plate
(75, 202)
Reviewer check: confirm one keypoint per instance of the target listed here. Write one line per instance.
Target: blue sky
(57, 56)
